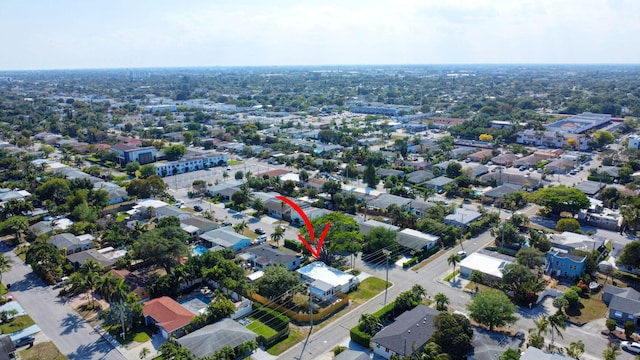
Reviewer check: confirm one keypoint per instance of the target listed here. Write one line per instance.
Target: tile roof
(168, 313)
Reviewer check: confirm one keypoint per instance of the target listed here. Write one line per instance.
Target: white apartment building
(194, 163)
(551, 139)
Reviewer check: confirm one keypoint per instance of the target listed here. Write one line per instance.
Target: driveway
(69, 331)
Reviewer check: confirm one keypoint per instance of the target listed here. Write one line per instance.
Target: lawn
(3, 289)
(42, 351)
(121, 217)
(261, 328)
(233, 162)
(295, 336)
(367, 289)
(138, 335)
(16, 324)
(452, 275)
(591, 309)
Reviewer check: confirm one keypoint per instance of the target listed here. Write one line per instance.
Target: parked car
(630, 346)
(260, 239)
(24, 341)
(197, 208)
(226, 224)
(260, 231)
(462, 254)
(281, 227)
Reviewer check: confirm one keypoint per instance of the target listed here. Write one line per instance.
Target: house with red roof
(169, 316)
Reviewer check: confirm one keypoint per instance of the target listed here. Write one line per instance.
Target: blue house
(561, 263)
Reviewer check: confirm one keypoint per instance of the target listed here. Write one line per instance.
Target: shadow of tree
(71, 323)
(100, 346)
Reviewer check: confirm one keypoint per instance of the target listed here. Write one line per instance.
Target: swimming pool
(199, 250)
(197, 303)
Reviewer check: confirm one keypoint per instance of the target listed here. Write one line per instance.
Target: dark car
(197, 208)
(260, 231)
(24, 341)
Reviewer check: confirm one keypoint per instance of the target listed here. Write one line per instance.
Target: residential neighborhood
(152, 223)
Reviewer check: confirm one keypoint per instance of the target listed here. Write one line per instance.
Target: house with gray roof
(407, 335)
(368, 225)
(419, 177)
(196, 225)
(225, 190)
(267, 255)
(438, 183)
(384, 173)
(572, 241)
(80, 258)
(170, 210)
(532, 353)
(211, 338)
(383, 201)
(501, 191)
(414, 240)
(227, 238)
(624, 304)
(71, 243)
(590, 188)
(462, 217)
(352, 355)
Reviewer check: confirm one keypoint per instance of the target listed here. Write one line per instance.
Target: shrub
(573, 299)
(611, 324)
(359, 337)
(293, 245)
(629, 328)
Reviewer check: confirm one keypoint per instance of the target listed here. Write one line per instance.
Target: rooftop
(318, 270)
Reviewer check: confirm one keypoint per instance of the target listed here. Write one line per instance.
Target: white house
(325, 281)
(487, 262)
(194, 163)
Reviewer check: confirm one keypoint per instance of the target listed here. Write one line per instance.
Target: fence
(343, 300)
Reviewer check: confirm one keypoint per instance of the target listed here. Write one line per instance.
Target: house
(419, 207)
(384, 173)
(561, 263)
(225, 190)
(80, 258)
(383, 201)
(560, 166)
(501, 191)
(279, 209)
(419, 177)
(572, 241)
(227, 238)
(529, 161)
(462, 217)
(169, 316)
(475, 170)
(267, 255)
(166, 211)
(205, 342)
(325, 281)
(504, 159)
(407, 335)
(438, 183)
(130, 153)
(489, 263)
(196, 225)
(532, 353)
(310, 212)
(368, 225)
(414, 240)
(7, 347)
(590, 188)
(624, 304)
(480, 155)
(501, 178)
(72, 243)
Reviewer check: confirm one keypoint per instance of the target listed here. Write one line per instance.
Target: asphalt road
(73, 336)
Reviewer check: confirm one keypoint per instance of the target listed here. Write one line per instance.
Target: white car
(630, 346)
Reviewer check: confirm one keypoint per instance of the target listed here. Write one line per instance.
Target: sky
(80, 34)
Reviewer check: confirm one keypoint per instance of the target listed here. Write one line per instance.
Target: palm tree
(575, 349)
(277, 235)
(556, 324)
(542, 325)
(144, 353)
(241, 226)
(611, 352)
(5, 265)
(453, 260)
(91, 271)
(441, 301)
(105, 286)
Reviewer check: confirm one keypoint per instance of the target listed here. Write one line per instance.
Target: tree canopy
(453, 334)
(630, 255)
(560, 198)
(162, 246)
(492, 308)
(278, 280)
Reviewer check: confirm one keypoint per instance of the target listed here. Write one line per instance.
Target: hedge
(293, 245)
(274, 319)
(359, 337)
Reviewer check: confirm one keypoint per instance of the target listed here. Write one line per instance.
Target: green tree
(476, 276)
(162, 246)
(630, 255)
(148, 170)
(575, 349)
(278, 280)
(15, 207)
(556, 326)
(369, 176)
(132, 167)
(530, 257)
(54, 189)
(240, 227)
(453, 334)
(569, 224)
(174, 152)
(368, 324)
(572, 297)
(510, 354)
(611, 353)
(277, 235)
(492, 308)
(453, 260)
(454, 169)
(441, 301)
(560, 198)
(602, 138)
(380, 238)
(629, 329)
(5, 265)
(15, 225)
(611, 325)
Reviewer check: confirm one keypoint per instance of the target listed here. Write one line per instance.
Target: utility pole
(461, 231)
(386, 253)
(310, 313)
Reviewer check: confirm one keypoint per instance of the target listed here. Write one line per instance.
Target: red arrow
(315, 252)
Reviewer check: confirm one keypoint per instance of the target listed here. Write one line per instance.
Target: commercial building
(192, 163)
(130, 153)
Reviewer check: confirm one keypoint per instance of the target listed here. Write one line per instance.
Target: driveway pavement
(69, 331)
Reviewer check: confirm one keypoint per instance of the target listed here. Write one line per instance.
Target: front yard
(591, 309)
(261, 328)
(295, 336)
(42, 351)
(16, 324)
(367, 289)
